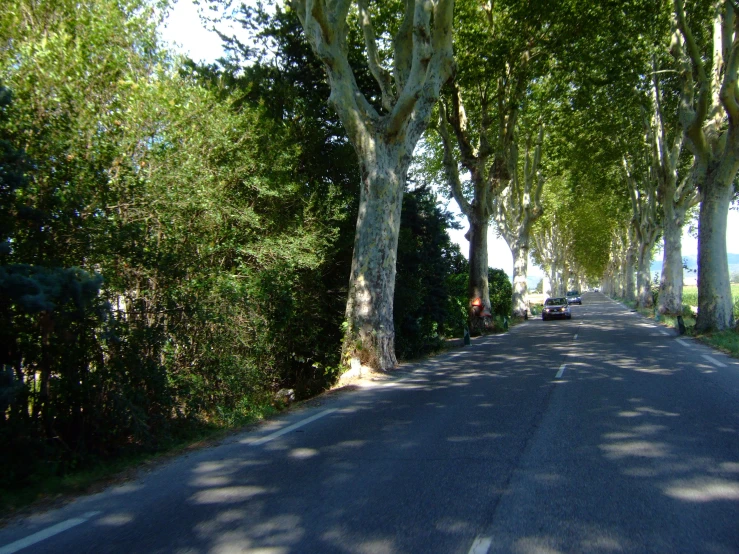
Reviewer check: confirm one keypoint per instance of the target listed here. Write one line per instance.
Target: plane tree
(709, 119)
(645, 224)
(676, 192)
(501, 49)
(408, 51)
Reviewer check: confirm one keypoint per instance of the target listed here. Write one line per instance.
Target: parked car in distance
(573, 297)
(556, 307)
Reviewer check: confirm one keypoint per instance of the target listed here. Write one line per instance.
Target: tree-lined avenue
(634, 448)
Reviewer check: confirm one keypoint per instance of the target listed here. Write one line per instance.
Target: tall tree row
(175, 239)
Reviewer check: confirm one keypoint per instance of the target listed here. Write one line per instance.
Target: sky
(184, 31)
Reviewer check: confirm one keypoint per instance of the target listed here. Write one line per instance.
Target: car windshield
(555, 302)
(573, 293)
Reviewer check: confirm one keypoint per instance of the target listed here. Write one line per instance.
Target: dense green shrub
(167, 260)
(421, 306)
(501, 292)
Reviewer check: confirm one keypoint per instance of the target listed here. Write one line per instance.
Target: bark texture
(551, 252)
(384, 141)
(674, 199)
(516, 209)
(671, 281)
(644, 225)
(710, 123)
(715, 304)
(478, 285)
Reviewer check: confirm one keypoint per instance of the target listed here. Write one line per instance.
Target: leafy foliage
(501, 293)
(160, 244)
(176, 239)
(426, 260)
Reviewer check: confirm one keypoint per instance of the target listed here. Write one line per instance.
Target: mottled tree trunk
(422, 60)
(643, 276)
(715, 307)
(478, 286)
(671, 282)
(709, 116)
(629, 290)
(552, 282)
(520, 250)
(562, 289)
(369, 339)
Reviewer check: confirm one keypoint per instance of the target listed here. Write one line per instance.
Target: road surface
(605, 433)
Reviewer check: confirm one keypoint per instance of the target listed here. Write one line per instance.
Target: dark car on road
(556, 308)
(573, 297)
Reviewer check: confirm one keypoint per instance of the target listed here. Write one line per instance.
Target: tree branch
(729, 84)
(704, 93)
(381, 75)
(422, 53)
(450, 166)
(458, 120)
(403, 44)
(433, 62)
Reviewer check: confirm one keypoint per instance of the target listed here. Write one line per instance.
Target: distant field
(690, 294)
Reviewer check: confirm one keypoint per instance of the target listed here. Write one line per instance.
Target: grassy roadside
(726, 341)
(47, 492)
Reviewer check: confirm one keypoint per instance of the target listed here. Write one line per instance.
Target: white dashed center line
(288, 429)
(46, 533)
(683, 343)
(714, 361)
(481, 545)
(561, 371)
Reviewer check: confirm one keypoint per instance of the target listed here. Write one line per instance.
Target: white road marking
(46, 533)
(575, 337)
(682, 342)
(289, 428)
(561, 371)
(481, 545)
(714, 361)
(665, 333)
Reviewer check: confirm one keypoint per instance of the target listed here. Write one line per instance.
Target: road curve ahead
(605, 433)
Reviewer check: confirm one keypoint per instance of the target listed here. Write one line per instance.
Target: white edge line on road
(288, 429)
(46, 533)
(561, 371)
(714, 361)
(683, 343)
(481, 545)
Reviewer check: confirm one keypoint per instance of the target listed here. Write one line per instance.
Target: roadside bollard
(466, 336)
(680, 325)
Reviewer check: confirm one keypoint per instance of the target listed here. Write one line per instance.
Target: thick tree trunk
(478, 286)
(629, 287)
(562, 289)
(552, 291)
(715, 307)
(520, 250)
(369, 337)
(643, 276)
(671, 282)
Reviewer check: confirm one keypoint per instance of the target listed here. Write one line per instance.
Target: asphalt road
(605, 433)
